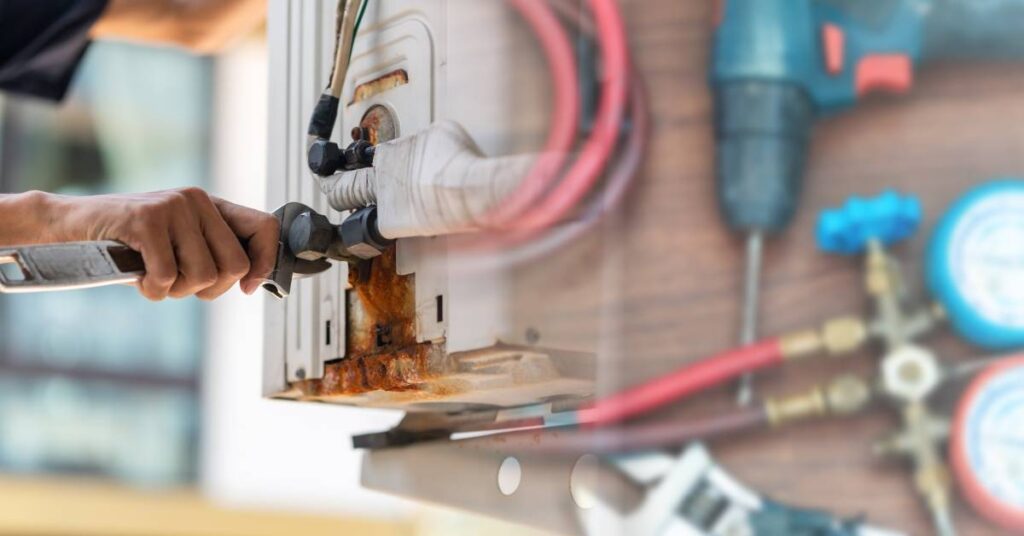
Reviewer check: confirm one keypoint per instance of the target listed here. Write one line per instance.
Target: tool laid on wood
(980, 232)
(909, 375)
(780, 64)
(308, 241)
(691, 495)
(987, 444)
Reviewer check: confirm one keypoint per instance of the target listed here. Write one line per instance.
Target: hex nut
(324, 157)
(310, 235)
(910, 373)
(361, 237)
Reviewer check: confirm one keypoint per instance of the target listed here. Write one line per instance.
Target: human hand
(191, 242)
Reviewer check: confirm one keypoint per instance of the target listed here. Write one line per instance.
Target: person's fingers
(261, 231)
(196, 267)
(189, 241)
(224, 246)
(161, 266)
(263, 246)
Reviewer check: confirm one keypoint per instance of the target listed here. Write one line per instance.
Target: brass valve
(845, 395)
(836, 337)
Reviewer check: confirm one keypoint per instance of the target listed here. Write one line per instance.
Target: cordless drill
(780, 64)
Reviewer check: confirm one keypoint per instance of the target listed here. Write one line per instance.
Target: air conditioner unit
(426, 327)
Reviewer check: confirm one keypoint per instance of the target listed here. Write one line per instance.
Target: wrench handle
(68, 266)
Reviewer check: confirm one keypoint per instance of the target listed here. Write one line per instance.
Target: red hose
(690, 379)
(565, 110)
(586, 171)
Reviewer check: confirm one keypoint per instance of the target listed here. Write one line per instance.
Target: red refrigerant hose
(597, 151)
(565, 109)
(688, 380)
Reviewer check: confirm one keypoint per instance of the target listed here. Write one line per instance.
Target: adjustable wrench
(307, 242)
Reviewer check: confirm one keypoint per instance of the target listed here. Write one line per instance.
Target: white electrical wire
(339, 19)
(346, 35)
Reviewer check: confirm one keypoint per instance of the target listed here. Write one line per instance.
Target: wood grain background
(668, 273)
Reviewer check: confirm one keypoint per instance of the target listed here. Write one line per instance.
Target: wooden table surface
(669, 273)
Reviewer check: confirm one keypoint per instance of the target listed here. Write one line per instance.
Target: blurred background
(119, 416)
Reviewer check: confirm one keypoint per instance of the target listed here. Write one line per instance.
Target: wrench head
(288, 265)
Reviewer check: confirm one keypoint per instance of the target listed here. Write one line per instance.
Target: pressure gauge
(987, 444)
(975, 264)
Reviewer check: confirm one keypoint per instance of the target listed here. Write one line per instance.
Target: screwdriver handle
(68, 266)
(762, 131)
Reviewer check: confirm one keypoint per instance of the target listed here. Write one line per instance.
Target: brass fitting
(919, 440)
(801, 344)
(836, 337)
(845, 395)
(883, 278)
(796, 408)
(844, 335)
(878, 274)
(933, 483)
(935, 486)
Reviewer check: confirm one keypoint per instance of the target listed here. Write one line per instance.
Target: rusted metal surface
(381, 308)
(399, 370)
(368, 90)
(383, 357)
(381, 349)
(378, 125)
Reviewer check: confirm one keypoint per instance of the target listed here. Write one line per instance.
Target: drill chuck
(762, 130)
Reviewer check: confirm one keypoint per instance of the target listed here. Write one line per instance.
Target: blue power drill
(780, 64)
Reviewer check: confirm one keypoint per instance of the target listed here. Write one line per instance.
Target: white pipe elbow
(432, 183)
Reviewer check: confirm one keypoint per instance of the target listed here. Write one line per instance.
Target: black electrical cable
(325, 113)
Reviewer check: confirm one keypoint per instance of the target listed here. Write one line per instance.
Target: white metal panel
(404, 39)
(301, 36)
(274, 318)
(456, 71)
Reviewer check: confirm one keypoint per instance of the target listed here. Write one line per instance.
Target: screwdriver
(762, 131)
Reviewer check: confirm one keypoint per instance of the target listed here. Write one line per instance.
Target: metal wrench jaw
(308, 242)
(288, 266)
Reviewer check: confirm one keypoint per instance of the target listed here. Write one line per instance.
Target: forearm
(27, 218)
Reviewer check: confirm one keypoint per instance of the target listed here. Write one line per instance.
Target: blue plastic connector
(888, 218)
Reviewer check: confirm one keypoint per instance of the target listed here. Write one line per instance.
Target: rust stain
(368, 90)
(382, 308)
(396, 371)
(378, 125)
(381, 349)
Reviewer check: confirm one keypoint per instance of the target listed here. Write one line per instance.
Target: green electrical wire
(359, 23)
